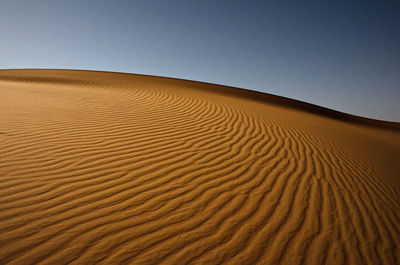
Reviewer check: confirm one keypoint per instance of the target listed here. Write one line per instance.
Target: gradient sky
(343, 55)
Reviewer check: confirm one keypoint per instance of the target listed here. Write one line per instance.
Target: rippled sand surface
(111, 168)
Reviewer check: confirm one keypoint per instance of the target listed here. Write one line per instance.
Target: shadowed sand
(109, 168)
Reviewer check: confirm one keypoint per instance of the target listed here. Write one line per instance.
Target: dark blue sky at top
(343, 55)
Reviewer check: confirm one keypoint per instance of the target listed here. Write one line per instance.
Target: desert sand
(110, 168)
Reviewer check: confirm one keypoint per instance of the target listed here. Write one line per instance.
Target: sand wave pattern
(93, 173)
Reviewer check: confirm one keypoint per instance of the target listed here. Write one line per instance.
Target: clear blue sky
(343, 55)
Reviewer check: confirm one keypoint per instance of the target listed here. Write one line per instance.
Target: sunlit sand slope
(124, 169)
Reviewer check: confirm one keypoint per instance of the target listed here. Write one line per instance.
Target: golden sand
(111, 168)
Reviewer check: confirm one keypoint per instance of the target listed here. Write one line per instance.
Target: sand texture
(109, 168)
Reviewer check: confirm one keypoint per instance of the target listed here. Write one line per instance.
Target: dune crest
(111, 168)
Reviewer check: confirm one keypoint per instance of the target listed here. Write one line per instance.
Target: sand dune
(111, 168)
